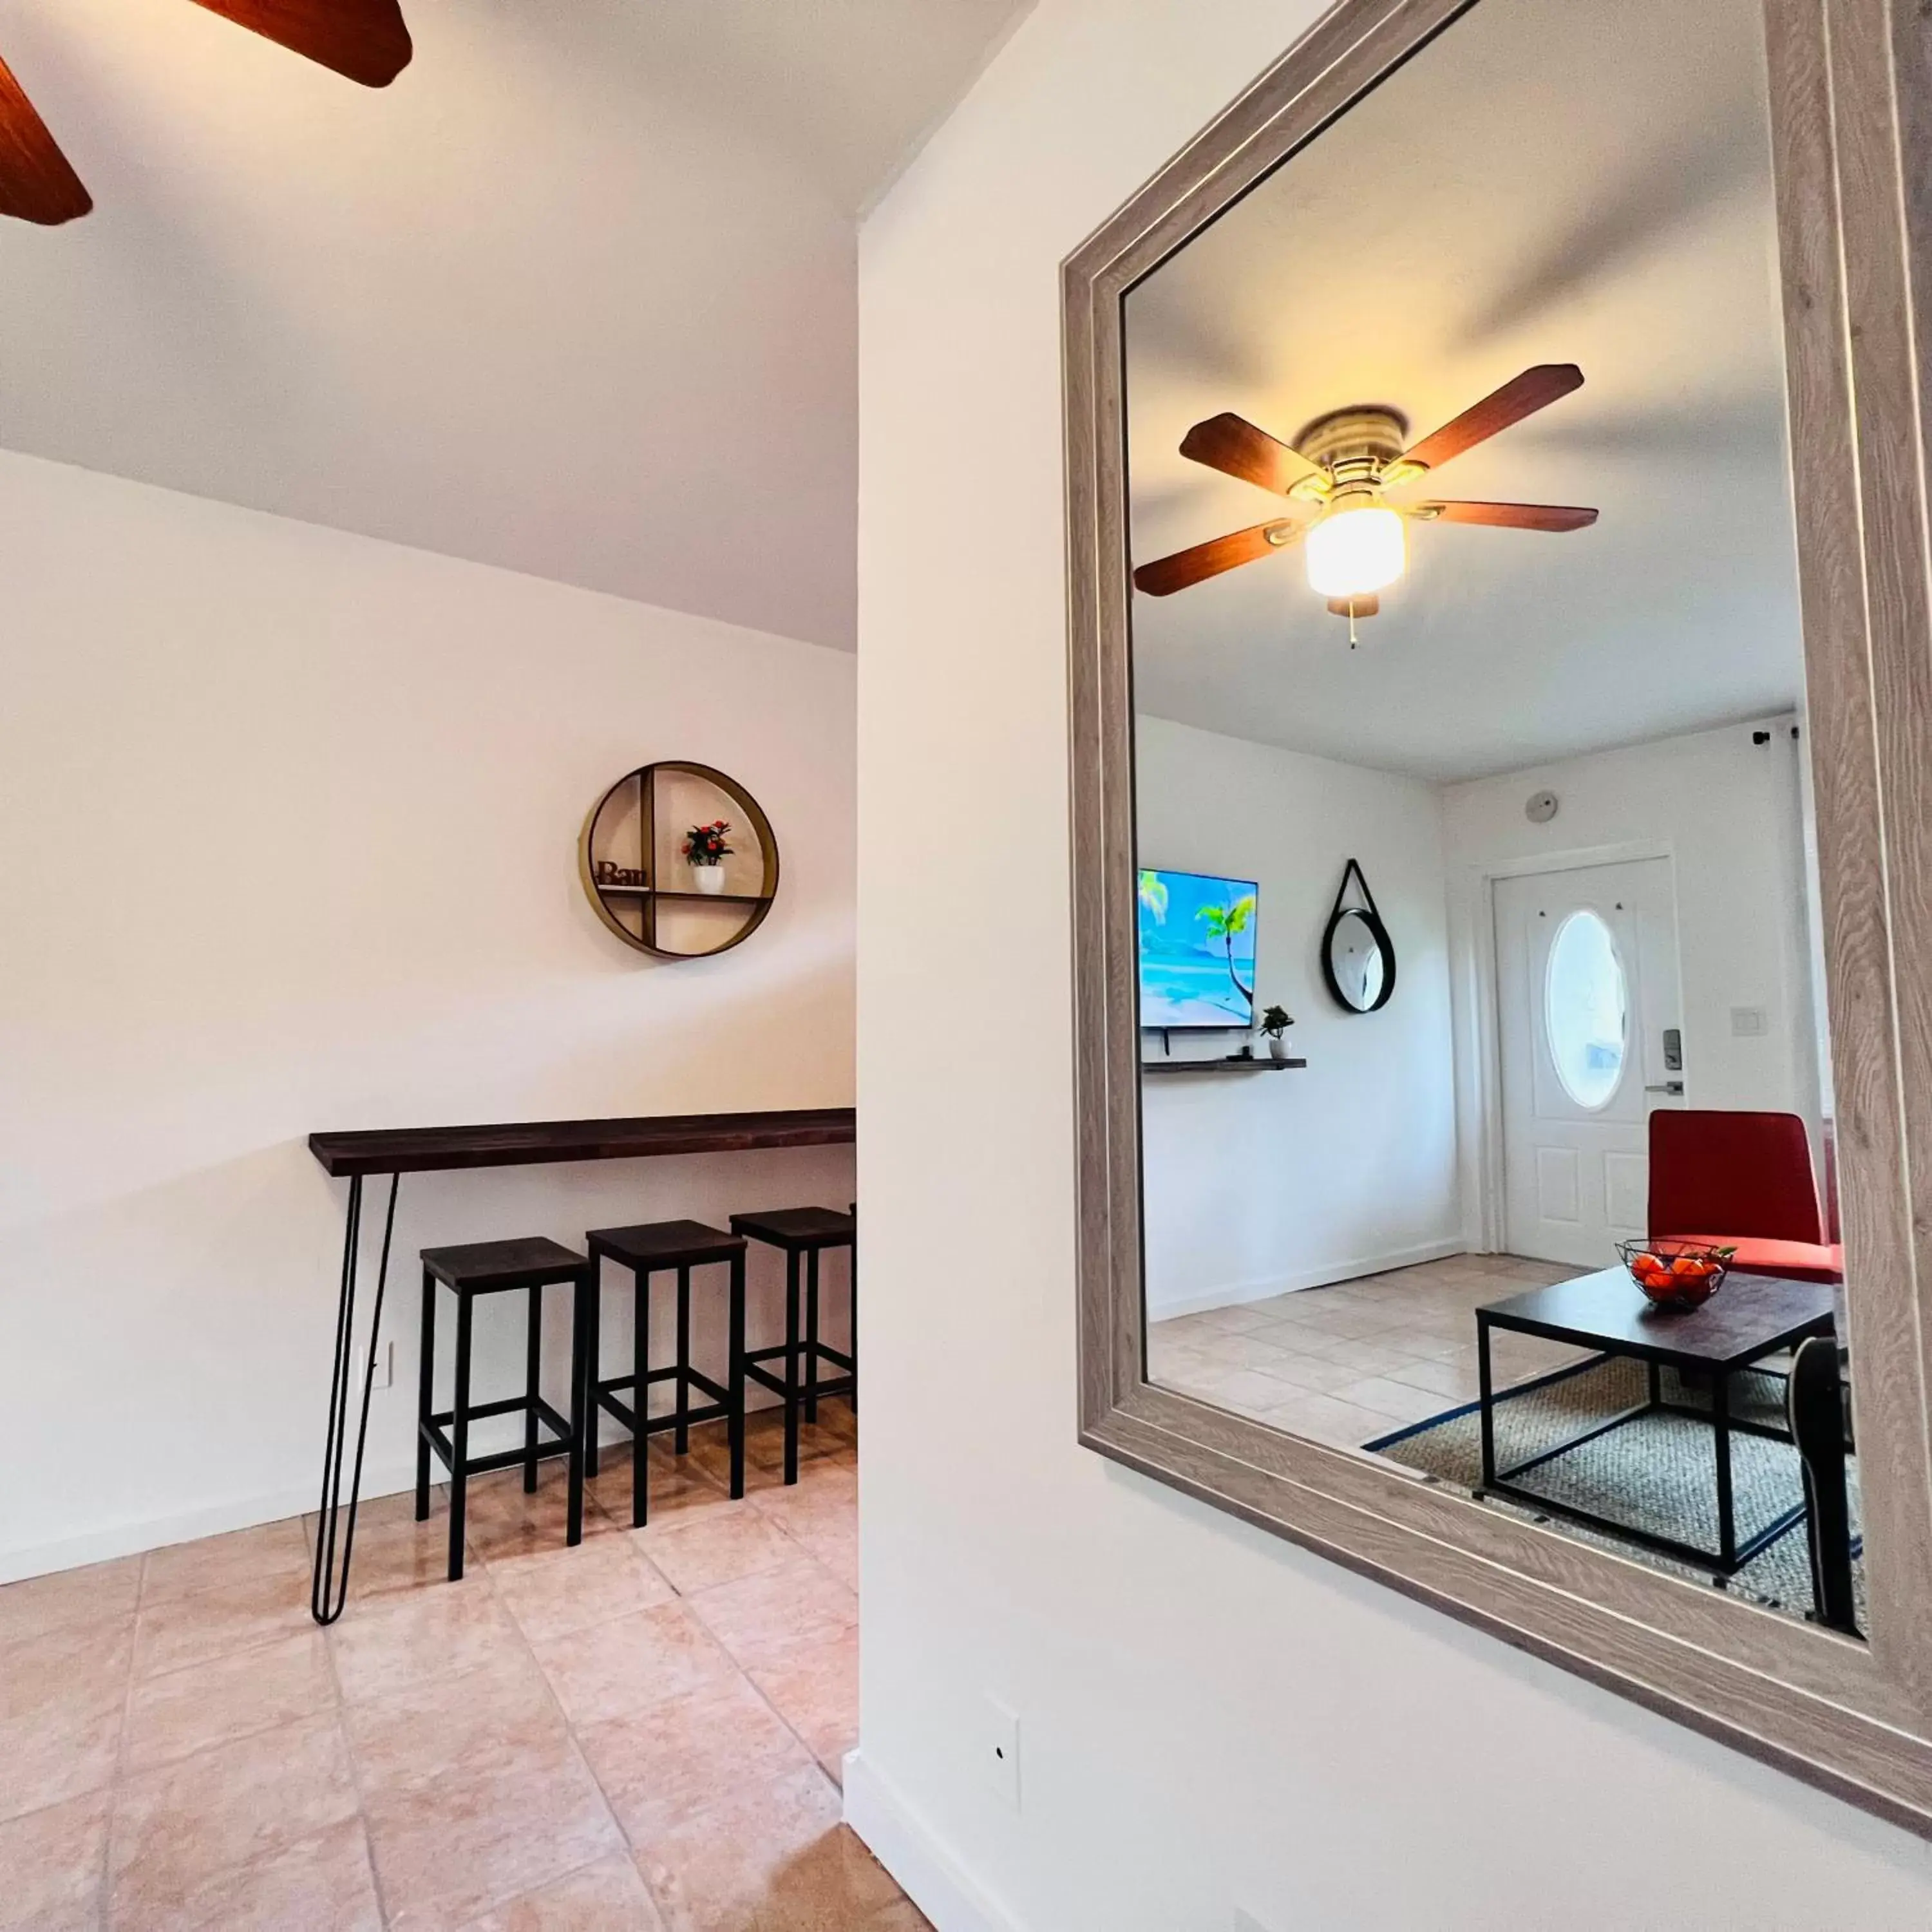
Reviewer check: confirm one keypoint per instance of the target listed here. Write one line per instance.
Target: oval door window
(1585, 1010)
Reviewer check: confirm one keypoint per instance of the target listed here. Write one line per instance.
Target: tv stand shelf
(1235, 1065)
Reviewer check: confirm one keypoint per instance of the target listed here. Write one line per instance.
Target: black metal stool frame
(452, 1449)
(603, 1395)
(803, 1394)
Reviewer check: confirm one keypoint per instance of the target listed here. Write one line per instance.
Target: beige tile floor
(1351, 1362)
(644, 1732)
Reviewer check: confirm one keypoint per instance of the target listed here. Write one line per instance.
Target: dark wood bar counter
(352, 1155)
(433, 1150)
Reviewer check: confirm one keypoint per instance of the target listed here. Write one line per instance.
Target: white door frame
(1477, 1020)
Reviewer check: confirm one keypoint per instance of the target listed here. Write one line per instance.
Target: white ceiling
(575, 296)
(849, 88)
(1547, 181)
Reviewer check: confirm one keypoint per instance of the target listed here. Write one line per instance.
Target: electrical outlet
(386, 1366)
(999, 1750)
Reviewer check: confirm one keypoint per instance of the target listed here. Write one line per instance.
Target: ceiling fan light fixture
(1356, 549)
(1338, 466)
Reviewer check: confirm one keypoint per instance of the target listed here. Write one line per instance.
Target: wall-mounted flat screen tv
(1197, 950)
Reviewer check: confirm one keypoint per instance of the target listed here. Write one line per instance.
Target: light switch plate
(1749, 1022)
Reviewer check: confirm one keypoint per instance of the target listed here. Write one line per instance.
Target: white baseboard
(903, 1841)
(128, 1539)
(1324, 1274)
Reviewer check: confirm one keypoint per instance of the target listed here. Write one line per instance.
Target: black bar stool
(806, 1232)
(650, 1248)
(491, 1267)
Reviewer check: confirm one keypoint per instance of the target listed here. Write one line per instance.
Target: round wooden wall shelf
(631, 860)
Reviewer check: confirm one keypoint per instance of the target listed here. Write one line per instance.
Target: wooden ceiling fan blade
(36, 182)
(1511, 516)
(1167, 575)
(1522, 396)
(365, 41)
(1233, 446)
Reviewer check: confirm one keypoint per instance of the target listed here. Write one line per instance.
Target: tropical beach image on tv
(1197, 950)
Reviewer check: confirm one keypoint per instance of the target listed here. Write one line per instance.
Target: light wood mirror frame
(1851, 105)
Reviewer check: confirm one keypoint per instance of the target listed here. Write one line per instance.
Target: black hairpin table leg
(328, 1589)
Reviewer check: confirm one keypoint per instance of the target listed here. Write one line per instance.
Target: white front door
(1589, 1019)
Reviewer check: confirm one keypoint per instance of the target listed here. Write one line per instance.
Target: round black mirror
(1357, 955)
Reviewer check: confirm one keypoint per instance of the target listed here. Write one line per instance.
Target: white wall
(510, 308)
(1255, 1184)
(1729, 813)
(288, 822)
(1208, 1715)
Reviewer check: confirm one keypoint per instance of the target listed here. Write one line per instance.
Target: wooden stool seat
(474, 1269)
(649, 1248)
(803, 1234)
(797, 1228)
(666, 1244)
(482, 1267)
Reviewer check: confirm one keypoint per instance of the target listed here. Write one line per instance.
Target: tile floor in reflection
(1351, 1363)
(643, 1732)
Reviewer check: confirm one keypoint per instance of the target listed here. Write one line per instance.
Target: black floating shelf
(1237, 1065)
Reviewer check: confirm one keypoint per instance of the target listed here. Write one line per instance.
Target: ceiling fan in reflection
(364, 40)
(1341, 468)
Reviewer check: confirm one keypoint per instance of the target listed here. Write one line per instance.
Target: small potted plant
(1275, 1023)
(705, 852)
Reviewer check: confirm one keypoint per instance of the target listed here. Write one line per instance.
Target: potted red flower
(705, 852)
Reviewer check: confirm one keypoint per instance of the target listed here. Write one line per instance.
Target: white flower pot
(1277, 1046)
(710, 878)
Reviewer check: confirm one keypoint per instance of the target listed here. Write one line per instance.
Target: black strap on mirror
(1371, 918)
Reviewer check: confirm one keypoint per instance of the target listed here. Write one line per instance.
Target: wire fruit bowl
(1676, 1274)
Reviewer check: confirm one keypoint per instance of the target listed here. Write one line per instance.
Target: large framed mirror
(1496, 464)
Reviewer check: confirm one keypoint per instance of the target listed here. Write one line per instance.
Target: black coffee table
(1750, 1317)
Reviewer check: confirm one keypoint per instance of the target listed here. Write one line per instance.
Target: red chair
(1742, 1181)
